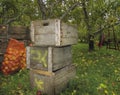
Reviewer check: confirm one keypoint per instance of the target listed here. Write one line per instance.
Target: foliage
(100, 13)
(97, 73)
(18, 12)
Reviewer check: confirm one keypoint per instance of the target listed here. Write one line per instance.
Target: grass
(97, 73)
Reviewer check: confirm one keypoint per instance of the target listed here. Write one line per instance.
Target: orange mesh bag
(15, 57)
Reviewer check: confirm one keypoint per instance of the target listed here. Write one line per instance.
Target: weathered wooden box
(3, 45)
(52, 83)
(19, 32)
(3, 30)
(49, 58)
(52, 32)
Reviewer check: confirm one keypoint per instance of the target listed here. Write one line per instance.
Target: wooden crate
(52, 32)
(3, 45)
(52, 83)
(3, 30)
(1, 58)
(49, 58)
(19, 32)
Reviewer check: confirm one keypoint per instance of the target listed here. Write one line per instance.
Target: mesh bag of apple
(14, 58)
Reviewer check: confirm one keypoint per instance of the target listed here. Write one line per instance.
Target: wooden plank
(28, 56)
(46, 73)
(17, 36)
(3, 46)
(67, 40)
(62, 56)
(44, 40)
(58, 33)
(50, 59)
(69, 30)
(18, 30)
(54, 84)
(1, 57)
(32, 32)
(39, 58)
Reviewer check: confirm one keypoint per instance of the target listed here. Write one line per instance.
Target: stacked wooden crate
(20, 33)
(50, 57)
(3, 40)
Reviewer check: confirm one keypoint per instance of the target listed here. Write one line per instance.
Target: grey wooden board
(52, 33)
(1, 58)
(17, 30)
(54, 84)
(43, 40)
(17, 36)
(52, 59)
(3, 45)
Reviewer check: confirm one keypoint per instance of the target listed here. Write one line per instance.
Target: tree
(18, 12)
(91, 16)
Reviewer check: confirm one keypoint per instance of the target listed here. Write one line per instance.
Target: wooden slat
(44, 40)
(50, 63)
(18, 30)
(46, 73)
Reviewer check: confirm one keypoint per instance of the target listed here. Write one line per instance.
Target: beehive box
(52, 83)
(49, 58)
(52, 32)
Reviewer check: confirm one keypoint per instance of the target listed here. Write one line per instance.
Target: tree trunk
(43, 9)
(90, 37)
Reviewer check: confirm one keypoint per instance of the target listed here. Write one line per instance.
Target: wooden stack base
(52, 83)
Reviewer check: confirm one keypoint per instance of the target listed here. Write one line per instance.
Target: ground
(97, 73)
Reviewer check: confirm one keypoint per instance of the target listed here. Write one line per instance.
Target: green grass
(97, 73)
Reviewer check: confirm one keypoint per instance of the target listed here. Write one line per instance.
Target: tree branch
(71, 8)
(43, 9)
(52, 6)
(14, 18)
(100, 30)
(86, 16)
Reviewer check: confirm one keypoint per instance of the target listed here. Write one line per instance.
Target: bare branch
(86, 16)
(14, 18)
(52, 6)
(43, 8)
(100, 30)
(71, 8)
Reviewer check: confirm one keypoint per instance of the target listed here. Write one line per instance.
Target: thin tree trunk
(90, 37)
(43, 9)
